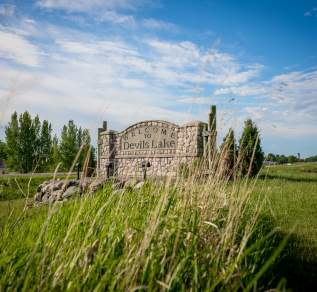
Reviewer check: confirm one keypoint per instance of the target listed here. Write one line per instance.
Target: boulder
(48, 188)
(45, 198)
(57, 185)
(61, 190)
(131, 183)
(38, 197)
(72, 183)
(139, 185)
(117, 185)
(72, 190)
(97, 184)
(55, 196)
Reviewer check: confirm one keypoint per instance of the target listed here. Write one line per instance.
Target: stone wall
(159, 144)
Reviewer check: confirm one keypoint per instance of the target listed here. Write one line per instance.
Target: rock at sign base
(72, 183)
(55, 196)
(139, 185)
(58, 185)
(38, 197)
(70, 192)
(96, 184)
(118, 185)
(131, 183)
(45, 198)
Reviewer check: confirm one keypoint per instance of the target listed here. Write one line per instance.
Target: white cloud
(256, 112)
(244, 90)
(19, 49)
(87, 6)
(312, 12)
(195, 100)
(296, 90)
(284, 106)
(118, 18)
(156, 24)
(180, 64)
(100, 10)
(185, 62)
(7, 10)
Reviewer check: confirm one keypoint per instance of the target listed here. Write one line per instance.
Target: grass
(12, 188)
(10, 208)
(292, 201)
(190, 235)
(177, 237)
(290, 192)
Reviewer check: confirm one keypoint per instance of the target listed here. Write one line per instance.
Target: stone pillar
(205, 141)
(212, 138)
(100, 144)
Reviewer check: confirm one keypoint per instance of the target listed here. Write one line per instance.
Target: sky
(126, 61)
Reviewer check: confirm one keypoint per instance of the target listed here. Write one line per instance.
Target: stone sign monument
(157, 147)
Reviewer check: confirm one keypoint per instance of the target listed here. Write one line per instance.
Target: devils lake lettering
(146, 145)
(148, 140)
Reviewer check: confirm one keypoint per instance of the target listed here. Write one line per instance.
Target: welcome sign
(156, 139)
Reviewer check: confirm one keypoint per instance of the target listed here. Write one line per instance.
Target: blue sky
(124, 61)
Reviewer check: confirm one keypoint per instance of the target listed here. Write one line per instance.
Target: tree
(292, 159)
(69, 145)
(3, 151)
(271, 157)
(55, 154)
(73, 140)
(311, 159)
(30, 146)
(36, 131)
(28, 141)
(88, 158)
(229, 153)
(45, 146)
(12, 140)
(251, 155)
(281, 159)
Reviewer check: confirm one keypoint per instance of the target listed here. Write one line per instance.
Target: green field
(213, 235)
(291, 204)
(20, 187)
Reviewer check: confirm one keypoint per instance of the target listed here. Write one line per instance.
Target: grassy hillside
(193, 235)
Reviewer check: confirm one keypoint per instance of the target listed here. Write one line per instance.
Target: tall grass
(192, 233)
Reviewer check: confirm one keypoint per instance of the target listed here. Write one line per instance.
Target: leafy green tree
(281, 159)
(79, 137)
(3, 151)
(85, 144)
(30, 145)
(45, 146)
(251, 155)
(292, 159)
(311, 159)
(271, 157)
(36, 127)
(55, 154)
(88, 153)
(69, 145)
(28, 140)
(12, 140)
(229, 153)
